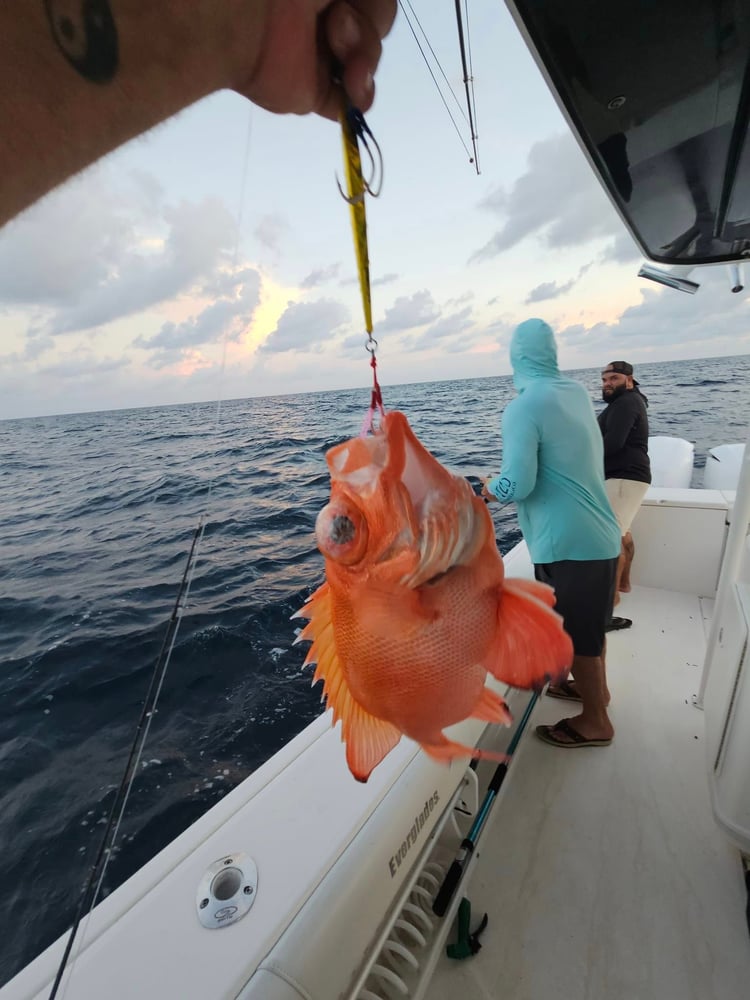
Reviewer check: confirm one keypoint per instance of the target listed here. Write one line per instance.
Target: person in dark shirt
(627, 470)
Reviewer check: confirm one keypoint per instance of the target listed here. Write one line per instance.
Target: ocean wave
(100, 512)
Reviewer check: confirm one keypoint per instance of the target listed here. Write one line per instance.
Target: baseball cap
(621, 367)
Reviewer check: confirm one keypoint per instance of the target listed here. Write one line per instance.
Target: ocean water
(98, 511)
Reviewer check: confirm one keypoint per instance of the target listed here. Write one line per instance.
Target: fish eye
(341, 533)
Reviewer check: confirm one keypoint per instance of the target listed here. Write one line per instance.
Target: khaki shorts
(625, 496)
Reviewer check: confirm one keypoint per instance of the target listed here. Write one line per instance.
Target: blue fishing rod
(455, 872)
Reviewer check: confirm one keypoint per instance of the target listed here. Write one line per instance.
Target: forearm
(137, 64)
(501, 488)
(517, 476)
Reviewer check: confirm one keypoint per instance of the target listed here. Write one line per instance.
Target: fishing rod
(455, 872)
(468, 81)
(93, 883)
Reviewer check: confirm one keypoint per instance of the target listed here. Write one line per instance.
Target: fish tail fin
(490, 707)
(447, 750)
(368, 739)
(531, 646)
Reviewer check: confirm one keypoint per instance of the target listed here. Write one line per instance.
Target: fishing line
(434, 80)
(459, 106)
(91, 891)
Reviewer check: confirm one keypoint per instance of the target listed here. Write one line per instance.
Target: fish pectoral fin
(368, 739)
(531, 646)
(490, 707)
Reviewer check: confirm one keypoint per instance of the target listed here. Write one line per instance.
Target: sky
(212, 258)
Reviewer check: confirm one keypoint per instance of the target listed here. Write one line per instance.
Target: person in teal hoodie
(553, 469)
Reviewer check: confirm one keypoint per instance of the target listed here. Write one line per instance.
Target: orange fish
(415, 610)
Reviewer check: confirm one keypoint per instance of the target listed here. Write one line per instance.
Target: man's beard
(611, 394)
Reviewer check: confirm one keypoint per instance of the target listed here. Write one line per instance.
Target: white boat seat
(723, 465)
(671, 461)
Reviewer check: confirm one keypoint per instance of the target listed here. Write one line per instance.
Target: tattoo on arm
(86, 34)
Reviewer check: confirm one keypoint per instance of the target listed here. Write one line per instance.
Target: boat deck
(602, 870)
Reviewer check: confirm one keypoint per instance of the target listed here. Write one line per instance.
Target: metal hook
(362, 131)
(356, 200)
(357, 131)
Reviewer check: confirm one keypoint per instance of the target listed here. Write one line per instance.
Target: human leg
(569, 690)
(625, 497)
(592, 727)
(585, 594)
(626, 560)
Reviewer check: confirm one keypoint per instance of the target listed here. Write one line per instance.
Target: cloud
(75, 367)
(711, 322)
(461, 299)
(444, 333)
(227, 317)
(64, 245)
(549, 290)
(622, 250)
(385, 279)
(271, 230)
(557, 199)
(226, 282)
(304, 326)
(320, 276)
(410, 311)
(97, 251)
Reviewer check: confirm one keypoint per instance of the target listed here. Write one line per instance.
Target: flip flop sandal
(615, 624)
(551, 734)
(564, 690)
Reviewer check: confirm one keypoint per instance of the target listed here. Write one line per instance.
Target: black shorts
(585, 593)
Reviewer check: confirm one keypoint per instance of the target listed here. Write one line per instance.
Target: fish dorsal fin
(368, 739)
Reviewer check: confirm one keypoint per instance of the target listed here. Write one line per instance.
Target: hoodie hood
(533, 353)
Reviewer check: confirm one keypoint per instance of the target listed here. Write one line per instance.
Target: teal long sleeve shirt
(553, 457)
